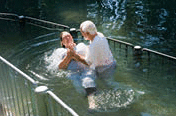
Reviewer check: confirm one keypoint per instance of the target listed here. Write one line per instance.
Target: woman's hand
(71, 46)
(71, 52)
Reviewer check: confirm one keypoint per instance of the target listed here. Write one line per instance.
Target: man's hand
(79, 58)
(73, 55)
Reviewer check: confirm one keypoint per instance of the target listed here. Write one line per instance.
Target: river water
(140, 89)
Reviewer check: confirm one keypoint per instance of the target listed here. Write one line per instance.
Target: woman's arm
(64, 63)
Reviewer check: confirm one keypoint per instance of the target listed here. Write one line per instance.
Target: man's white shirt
(99, 53)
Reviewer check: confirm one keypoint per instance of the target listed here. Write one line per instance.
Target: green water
(147, 23)
(150, 85)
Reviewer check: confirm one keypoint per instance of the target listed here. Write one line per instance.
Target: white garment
(99, 53)
(85, 76)
(57, 56)
(80, 74)
(81, 49)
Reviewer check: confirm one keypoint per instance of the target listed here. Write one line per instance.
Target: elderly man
(98, 56)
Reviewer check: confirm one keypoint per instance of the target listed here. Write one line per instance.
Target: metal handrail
(62, 103)
(30, 20)
(5, 16)
(56, 98)
(9, 14)
(18, 70)
(33, 21)
(158, 53)
(44, 21)
(119, 41)
(143, 49)
(38, 22)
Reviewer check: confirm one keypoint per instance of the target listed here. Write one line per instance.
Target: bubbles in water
(110, 100)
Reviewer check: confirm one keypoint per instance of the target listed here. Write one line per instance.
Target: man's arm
(80, 58)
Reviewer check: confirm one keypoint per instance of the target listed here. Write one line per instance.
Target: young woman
(69, 60)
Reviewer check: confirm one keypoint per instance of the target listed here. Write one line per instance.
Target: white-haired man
(99, 56)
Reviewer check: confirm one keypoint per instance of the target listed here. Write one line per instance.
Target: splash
(112, 100)
(52, 60)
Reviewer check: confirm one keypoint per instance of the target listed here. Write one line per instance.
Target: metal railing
(33, 21)
(147, 60)
(53, 105)
(57, 27)
(22, 96)
(127, 45)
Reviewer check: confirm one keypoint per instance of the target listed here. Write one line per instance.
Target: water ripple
(112, 100)
(111, 13)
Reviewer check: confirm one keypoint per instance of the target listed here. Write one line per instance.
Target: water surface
(141, 88)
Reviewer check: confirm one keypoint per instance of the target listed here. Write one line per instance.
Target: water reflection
(110, 14)
(136, 21)
(144, 22)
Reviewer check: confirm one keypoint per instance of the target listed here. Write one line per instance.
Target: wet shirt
(99, 53)
(81, 49)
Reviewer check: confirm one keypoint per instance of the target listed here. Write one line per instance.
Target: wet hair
(61, 34)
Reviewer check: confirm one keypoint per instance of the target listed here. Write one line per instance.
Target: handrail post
(41, 100)
(22, 22)
(138, 55)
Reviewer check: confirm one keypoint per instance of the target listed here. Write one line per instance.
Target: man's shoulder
(100, 39)
(100, 34)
